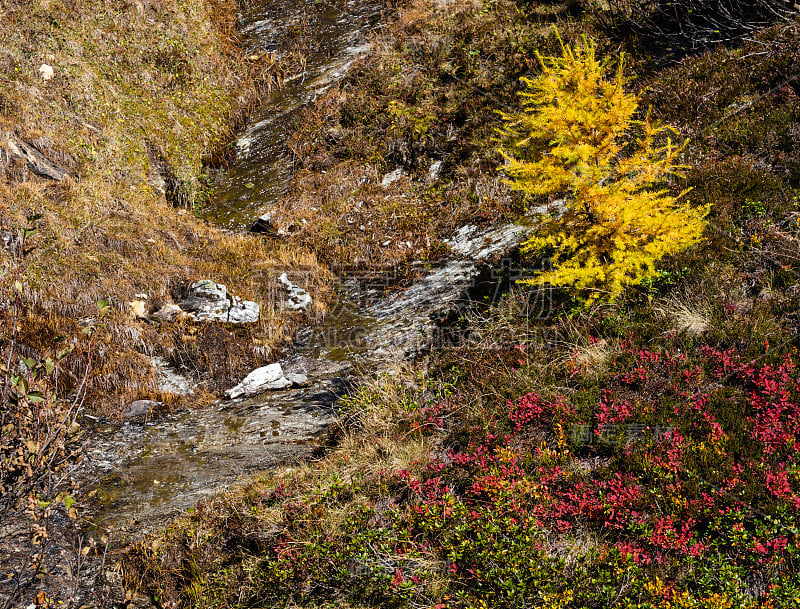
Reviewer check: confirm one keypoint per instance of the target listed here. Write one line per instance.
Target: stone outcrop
(209, 301)
(407, 321)
(38, 163)
(297, 299)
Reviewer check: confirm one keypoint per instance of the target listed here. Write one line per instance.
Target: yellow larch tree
(574, 138)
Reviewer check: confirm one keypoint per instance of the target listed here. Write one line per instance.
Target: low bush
(671, 29)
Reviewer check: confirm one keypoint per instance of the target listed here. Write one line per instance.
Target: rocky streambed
(149, 469)
(153, 469)
(146, 470)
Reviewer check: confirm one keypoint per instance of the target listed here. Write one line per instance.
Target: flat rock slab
(471, 242)
(37, 162)
(407, 321)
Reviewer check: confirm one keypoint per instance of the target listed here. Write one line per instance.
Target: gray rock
(297, 379)
(170, 381)
(470, 242)
(209, 301)
(140, 407)
(260, 380)
(38, 163)
(297, 299)
(168, 312)
(264, 225)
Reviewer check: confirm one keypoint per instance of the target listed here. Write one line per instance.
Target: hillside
(634, 453)
(140, 96)
(636, 448)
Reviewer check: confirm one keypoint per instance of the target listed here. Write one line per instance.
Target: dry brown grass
(134, 82)
(423, 95)
(686, 314)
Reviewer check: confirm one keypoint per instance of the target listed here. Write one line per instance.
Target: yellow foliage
(574, 138)
(556, 600)
(683, 600)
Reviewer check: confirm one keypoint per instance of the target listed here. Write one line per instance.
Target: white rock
(434, 171)
(260, 380)
(46, 71)
(297, 298)
(209, 301)
(392, 177)
(297, 379)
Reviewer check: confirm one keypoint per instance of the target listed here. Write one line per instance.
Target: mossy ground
(461, 482)
(142, 91)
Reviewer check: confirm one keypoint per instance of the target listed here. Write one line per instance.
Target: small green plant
(754, 209)
(405, 117)
(573, 139)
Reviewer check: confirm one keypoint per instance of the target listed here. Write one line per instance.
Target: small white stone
(392, 177)
(434, 171)
(260, 380)
(46, 71)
